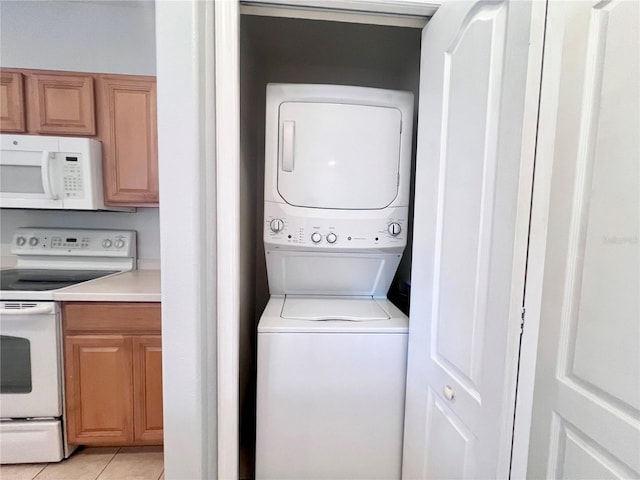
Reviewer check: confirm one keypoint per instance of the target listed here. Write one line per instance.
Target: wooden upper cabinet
(128, 130)
(61, 104)
(120, 110)
(12, 118)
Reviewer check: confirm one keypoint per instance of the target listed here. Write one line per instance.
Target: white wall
(92, 36)
(103, 37)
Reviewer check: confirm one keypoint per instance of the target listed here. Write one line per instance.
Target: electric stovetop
(40, 280)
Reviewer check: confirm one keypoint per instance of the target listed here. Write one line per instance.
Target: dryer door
(338, 156)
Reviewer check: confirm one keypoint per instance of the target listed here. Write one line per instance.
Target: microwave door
(28, 179)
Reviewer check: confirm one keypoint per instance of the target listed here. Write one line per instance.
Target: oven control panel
(74, 242)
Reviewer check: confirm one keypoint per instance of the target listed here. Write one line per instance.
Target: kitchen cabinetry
(60, 104)
(12, 102)
(127, 124)
(119, 110)
(113, 373)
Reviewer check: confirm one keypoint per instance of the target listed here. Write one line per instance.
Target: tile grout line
(162, 472)
(39, 471)
(108, 463)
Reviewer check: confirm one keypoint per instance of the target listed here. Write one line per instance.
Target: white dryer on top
(337, 177)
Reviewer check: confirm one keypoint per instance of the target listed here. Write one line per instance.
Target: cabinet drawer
(97, 317)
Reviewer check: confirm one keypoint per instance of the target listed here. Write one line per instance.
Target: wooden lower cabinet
(113, 373)
(99, 389)
(147, 385)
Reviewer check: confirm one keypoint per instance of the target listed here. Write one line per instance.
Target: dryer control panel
(286, 227)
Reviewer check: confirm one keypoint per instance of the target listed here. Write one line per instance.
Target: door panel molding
(567, 437)
(456, 159)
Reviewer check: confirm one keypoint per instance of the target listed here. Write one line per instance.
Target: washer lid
(356, 309)
(340, 156)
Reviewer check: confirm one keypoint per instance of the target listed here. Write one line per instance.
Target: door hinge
(522, 312)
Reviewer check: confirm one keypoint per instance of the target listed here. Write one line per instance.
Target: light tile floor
(95, 463)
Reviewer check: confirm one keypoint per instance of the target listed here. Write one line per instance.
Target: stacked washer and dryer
(331, 347)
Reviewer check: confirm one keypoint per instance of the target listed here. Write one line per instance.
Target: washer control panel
(74, 241)
(283, 228)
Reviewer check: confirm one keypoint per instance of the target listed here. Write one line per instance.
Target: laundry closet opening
(292, 50)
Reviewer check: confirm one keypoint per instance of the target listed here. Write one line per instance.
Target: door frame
(198, 82)
(188, 228)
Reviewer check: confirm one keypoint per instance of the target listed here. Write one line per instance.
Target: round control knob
(119, 243)
(33, 241)
(316, 237)
(394, 228)
(20, 241)
(106, 243)
(276, 225)
(331, 238)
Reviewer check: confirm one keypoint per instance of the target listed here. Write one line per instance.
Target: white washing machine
(331, 347)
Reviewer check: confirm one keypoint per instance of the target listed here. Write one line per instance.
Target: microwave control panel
(72, 178)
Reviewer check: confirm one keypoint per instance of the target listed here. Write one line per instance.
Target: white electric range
(49, 260)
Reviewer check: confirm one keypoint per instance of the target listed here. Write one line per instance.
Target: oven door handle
(46, 175)
(30, 310)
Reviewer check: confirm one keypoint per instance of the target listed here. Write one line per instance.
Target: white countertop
(135, 286)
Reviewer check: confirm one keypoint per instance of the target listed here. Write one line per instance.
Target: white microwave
(63, 173)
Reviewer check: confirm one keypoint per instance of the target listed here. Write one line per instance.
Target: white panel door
(586, 409)
(470, 230)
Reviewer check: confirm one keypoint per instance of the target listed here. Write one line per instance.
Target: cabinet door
(127, 124)
(11, 102)
(99, 389)
(61, 104)
(147, 386)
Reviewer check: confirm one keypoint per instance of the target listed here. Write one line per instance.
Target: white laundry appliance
(331, 347)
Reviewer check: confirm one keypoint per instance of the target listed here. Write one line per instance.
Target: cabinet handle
(46, 308)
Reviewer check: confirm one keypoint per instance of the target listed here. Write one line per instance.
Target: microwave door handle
(46, 176)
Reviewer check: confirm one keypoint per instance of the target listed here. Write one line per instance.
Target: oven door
(30, 373)
(29, 172)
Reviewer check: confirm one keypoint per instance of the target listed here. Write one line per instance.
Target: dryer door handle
(288, 145)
